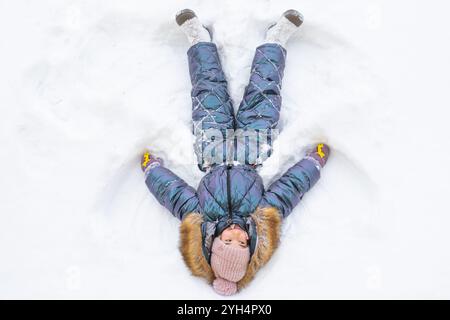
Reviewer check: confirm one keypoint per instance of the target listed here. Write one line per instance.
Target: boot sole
(294, 16)
(184, 15)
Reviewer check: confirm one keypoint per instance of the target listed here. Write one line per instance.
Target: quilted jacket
(231, 194)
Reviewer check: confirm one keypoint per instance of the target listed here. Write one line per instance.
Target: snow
(87, 85)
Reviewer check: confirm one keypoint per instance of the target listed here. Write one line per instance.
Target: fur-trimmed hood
(268, 229)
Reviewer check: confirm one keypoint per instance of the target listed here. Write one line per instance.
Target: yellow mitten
(148, 161)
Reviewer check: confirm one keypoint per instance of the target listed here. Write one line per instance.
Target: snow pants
(220, 134)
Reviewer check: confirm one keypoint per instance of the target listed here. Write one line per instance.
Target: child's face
(234, 236)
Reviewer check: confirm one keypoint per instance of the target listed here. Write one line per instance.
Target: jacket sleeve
(171, 191)
(285, 193)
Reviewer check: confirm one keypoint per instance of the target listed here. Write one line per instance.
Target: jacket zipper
(230, 212)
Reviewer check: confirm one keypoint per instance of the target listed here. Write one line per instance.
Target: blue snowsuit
(229, 192)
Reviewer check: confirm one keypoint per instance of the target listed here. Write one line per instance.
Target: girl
(230, 225)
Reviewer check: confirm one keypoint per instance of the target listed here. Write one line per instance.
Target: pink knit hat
(229, 265)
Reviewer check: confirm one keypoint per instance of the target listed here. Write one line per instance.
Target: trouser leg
(212, 109)
(259, 111)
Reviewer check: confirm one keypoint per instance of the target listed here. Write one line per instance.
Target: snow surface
(87, 85)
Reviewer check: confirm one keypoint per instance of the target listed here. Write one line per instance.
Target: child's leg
(259, 111)
(211, 104)
(212, 109)
(260, 107)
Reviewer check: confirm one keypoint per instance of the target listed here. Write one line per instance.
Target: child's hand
(320, 153)
(149, 161)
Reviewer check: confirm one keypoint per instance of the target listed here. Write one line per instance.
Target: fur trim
(191, 247)
(268, 227)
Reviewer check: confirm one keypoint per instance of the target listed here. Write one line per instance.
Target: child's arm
(285, 193)
(169, 189)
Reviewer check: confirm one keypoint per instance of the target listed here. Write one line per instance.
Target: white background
(85, 86)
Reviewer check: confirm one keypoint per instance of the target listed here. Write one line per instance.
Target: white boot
(191, 26)
(285, 27)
